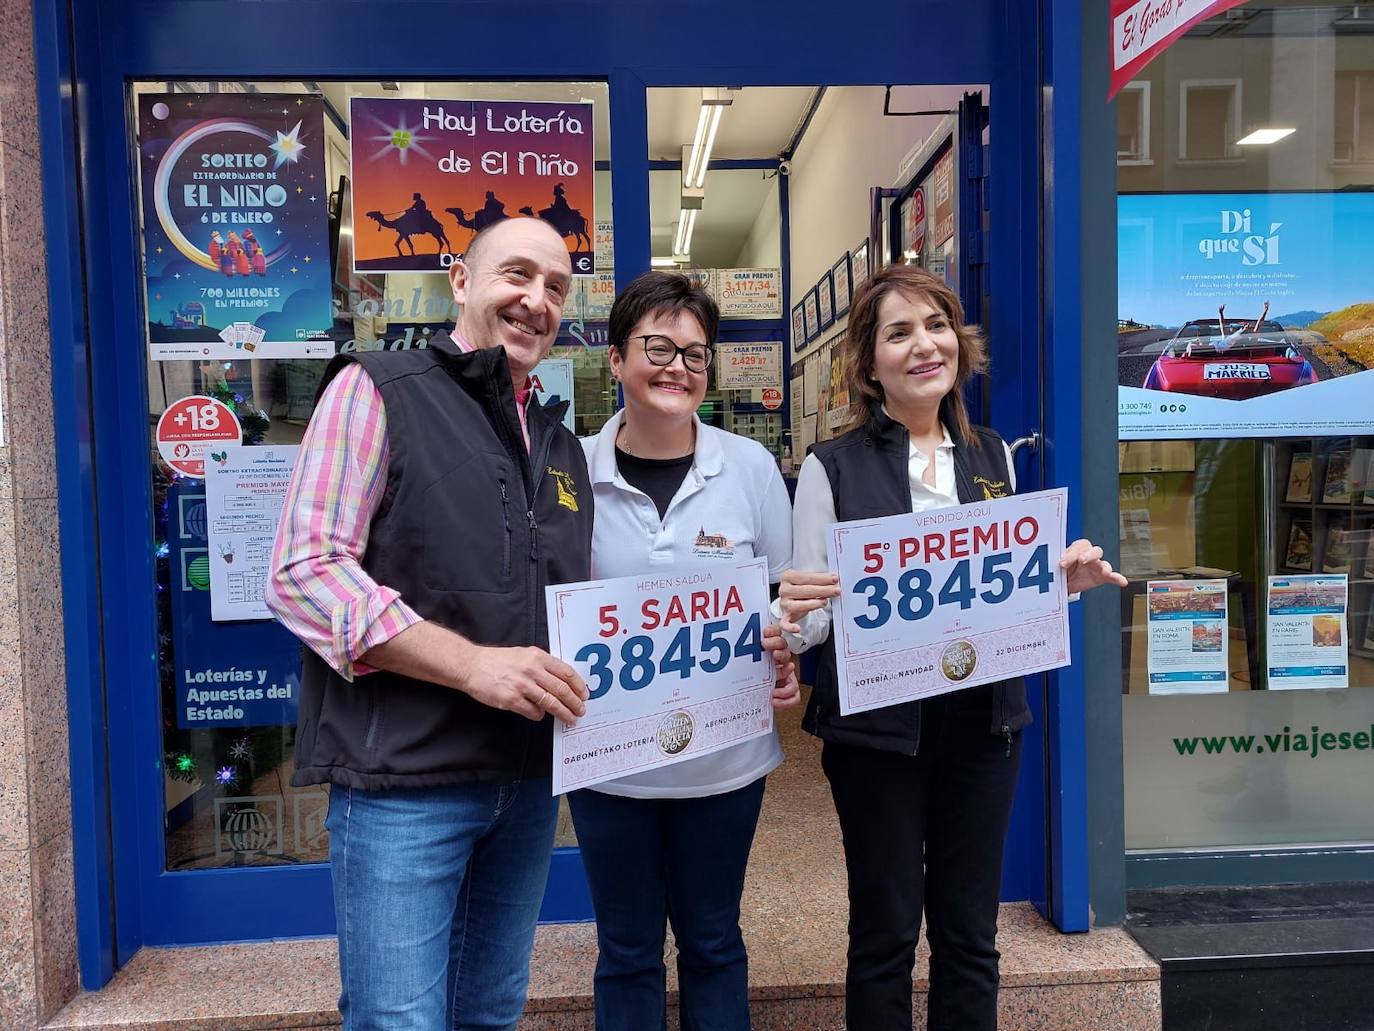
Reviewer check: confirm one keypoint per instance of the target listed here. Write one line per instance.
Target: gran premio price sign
(935, 601)
(674, 663)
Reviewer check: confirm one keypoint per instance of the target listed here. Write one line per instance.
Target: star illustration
(159, 248)
(294, 270)
(176, 275)
(312, 198)
(300, 189)
(307, 259)
(401, 139)
(288, 146)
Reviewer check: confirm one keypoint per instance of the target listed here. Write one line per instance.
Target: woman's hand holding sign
(801, 593)
(1087, 568)
(786, 686)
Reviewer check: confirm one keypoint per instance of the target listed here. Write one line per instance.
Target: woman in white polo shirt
(671, 845)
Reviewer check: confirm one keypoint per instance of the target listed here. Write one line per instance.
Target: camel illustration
(479, 220)
(567, 220)
(412, 223)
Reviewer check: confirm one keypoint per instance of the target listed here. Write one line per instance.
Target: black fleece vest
(470, 530)
(868, 472)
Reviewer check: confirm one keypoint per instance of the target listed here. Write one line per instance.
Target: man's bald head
(491, 235)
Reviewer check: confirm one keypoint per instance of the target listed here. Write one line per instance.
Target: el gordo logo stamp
(675, 732)
(959, 660)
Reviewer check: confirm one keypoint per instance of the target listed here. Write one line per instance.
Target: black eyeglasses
(661, 350)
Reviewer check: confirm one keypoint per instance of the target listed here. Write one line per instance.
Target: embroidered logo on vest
(567, 493)
(991, 488)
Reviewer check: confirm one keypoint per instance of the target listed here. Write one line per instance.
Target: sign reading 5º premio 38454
(674, 663)
(936, 601)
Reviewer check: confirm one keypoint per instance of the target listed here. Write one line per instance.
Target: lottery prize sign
(674, 663)
(936, 601)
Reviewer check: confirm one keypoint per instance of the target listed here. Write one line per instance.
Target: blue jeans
(677, 859)
(436, 892)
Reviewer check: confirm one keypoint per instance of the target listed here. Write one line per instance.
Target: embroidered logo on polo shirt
(715, 545)
(991, 488)
(567, 492)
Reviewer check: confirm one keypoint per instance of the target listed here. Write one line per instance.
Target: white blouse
(813, 512)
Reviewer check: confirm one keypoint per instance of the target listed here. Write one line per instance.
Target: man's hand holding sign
(677, 665)
(930, 602)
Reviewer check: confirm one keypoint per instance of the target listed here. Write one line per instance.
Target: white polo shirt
(732, 492)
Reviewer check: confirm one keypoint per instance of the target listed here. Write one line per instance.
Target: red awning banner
(1144, 29)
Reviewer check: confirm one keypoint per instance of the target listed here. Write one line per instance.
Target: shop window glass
(1133, 123)
(228, 798)
(1354, 116)
(738, 227)
(1210, 112)
(1246, 458)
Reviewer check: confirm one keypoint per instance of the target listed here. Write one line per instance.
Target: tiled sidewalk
(794, 922)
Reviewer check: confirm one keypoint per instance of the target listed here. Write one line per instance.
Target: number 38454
(636, 665)
(916, 597)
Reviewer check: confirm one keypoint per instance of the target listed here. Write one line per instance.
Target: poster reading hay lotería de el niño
(235, 225)
(428, 174)
(1245, 315)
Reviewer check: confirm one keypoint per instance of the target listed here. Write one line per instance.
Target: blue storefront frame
(87, 54)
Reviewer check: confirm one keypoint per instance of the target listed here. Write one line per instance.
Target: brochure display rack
(1324, 520)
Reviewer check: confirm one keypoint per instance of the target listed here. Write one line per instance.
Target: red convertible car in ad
(1230, 358)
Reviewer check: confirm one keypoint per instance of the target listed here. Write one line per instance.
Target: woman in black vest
(923, 790)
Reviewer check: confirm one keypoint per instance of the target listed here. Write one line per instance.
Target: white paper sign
(749, 366)
(749, 293)
(1306, 643)
(674, 663)
(553, 381)
(811, 384)
(1188, 636)
(245, 487)
(935, 601)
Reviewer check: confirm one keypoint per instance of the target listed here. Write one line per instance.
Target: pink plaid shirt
(319, 589)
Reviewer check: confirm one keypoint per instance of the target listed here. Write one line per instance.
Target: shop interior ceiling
(760, 123)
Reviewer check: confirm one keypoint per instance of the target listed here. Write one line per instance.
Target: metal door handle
(1031, 440)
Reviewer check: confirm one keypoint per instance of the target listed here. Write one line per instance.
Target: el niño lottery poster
(235, 225)
(429, 174)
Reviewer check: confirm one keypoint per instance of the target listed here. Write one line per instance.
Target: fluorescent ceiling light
(699, 180)
(713, 105)
(698, 141)
(682, 241)
(1264, 137)
(662, 263)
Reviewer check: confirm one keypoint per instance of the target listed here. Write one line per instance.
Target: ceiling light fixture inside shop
(1264, 137)
(696, 159)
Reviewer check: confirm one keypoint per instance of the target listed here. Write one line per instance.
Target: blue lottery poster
(235, 225)
(245, 674)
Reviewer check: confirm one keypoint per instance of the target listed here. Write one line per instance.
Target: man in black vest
(433, 501)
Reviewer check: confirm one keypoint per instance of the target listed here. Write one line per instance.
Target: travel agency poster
(1245, 314)
(235, 225)
(428, 174)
